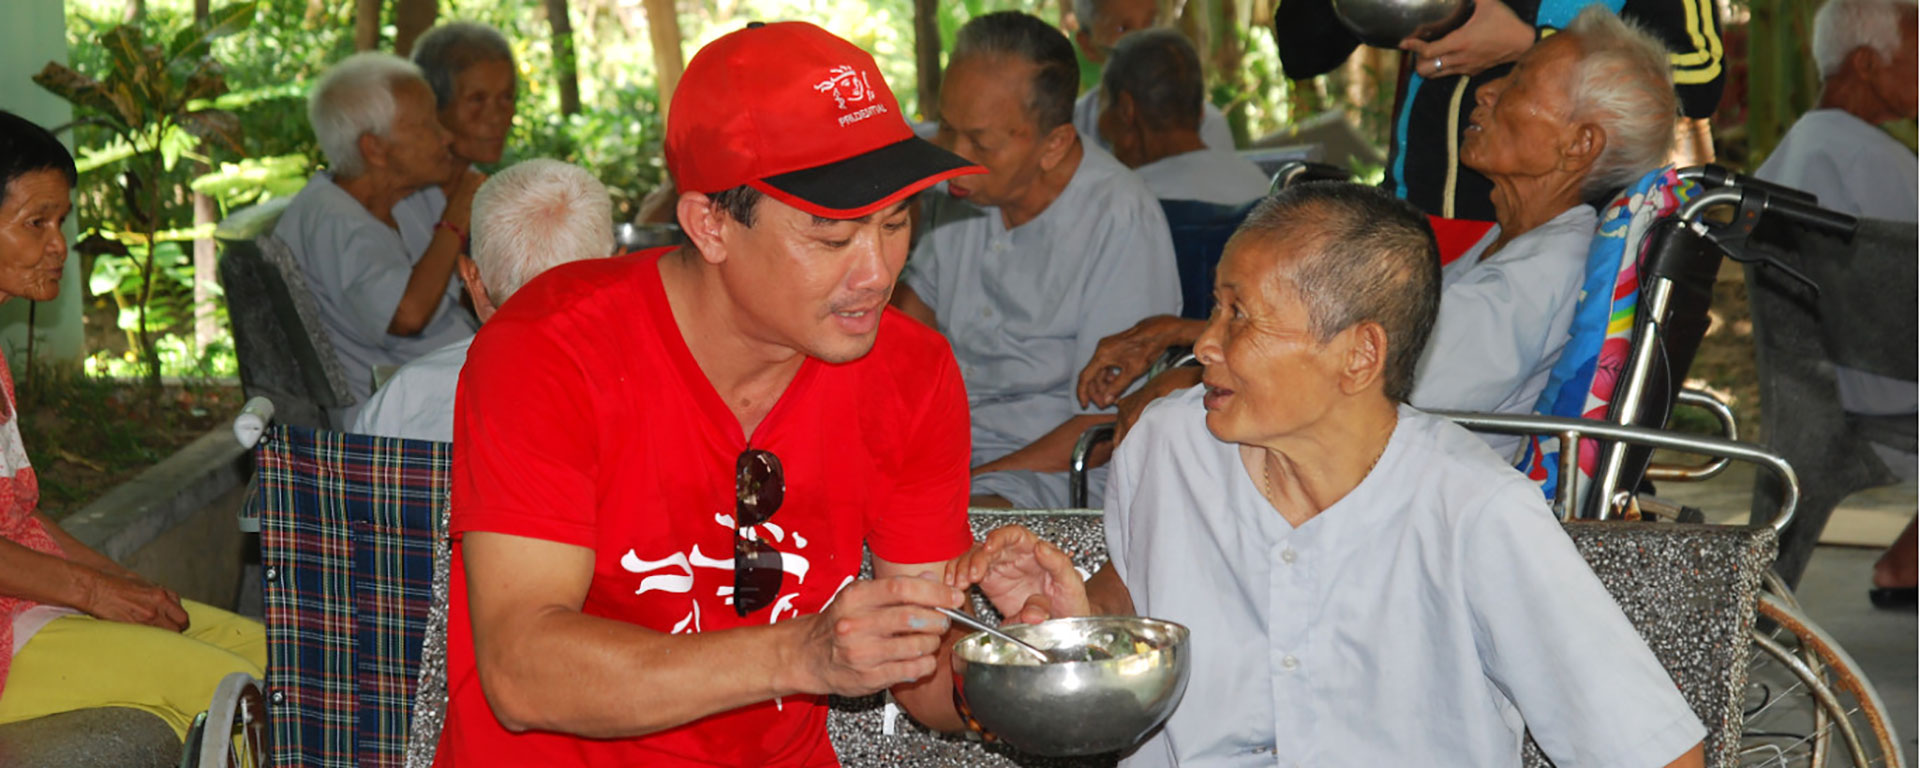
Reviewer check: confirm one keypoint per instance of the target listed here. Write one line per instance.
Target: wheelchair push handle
(252, 421)
(1800, 207)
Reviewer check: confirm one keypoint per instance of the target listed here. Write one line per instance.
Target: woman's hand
(1125, 356)
(1027, 578)
(131, 601)
(460, 199)
(1492, 36)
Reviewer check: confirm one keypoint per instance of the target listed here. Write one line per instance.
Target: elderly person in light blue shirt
(1366, 585)
(1148, 95)
(1102, 24)
(375, 234)
(528, 219)
(1026, 268)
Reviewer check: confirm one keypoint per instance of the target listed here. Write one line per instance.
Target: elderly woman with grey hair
(1583, 113)
(376, 234)
(470, 68)
(1365, 584)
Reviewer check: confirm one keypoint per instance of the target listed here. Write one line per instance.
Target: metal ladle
(1045, 656)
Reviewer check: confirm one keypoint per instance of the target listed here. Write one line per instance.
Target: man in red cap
(667, 463)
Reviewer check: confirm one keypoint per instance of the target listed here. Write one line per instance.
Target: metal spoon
(1045, 656)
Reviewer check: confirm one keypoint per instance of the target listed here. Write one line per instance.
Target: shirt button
(1289, 663)
(1287, 556)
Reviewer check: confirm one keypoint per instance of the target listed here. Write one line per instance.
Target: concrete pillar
(34, 34)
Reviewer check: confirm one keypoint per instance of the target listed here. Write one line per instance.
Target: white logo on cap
(850, 86)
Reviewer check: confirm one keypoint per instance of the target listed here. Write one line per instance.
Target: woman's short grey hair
(1056, 76)
(535, 216)
(1623, 82)
(1843, 25)
(353, 99)
(447, 50)
(1369, 257)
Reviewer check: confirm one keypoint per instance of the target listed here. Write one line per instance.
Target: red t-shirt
(582, 418)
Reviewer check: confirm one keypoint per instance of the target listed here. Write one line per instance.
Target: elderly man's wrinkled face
(33, 250)
(1116, 18)
(815, 285)
(416, 150)
(481, 112)
(1521, 121)
(984, 118)
(1267, 375)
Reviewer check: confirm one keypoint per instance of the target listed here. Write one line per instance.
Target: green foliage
(155, 100)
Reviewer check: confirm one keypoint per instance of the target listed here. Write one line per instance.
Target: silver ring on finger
(1436, 65)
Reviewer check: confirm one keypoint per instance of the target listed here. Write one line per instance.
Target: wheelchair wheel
(1807, 703)
(234, 734)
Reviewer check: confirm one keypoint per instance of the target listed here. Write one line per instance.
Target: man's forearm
(1053, 452)
(930, 700)
(573, 673)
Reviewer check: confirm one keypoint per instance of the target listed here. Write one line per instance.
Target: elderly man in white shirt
(1366, 585)
(529, 218)
(1027, 267)
(1866, 53)
(1102, 24)
(1148, 94)
(1582, 114)
(374, 233)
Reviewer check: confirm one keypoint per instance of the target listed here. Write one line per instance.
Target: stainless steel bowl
(634, 237)
(1136, 673)
(1384, 23)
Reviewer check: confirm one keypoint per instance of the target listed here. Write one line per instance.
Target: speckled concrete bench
(107, 737)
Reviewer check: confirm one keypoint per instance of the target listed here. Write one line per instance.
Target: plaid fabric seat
(347, 531)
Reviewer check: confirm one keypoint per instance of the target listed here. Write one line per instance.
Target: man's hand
(1131, 406)
(1492, 36)
(876, 634)
(1125, 356)
(131, 601)
(1028, 579)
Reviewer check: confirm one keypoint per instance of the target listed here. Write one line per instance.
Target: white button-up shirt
(1025, 307)
(1420, 620)
(358, 267)
(1214, 176)
(417, 403)
(1504, 321)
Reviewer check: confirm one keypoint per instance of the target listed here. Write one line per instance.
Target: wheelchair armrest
(1705, 401)
(1571, 430)
(1077, 469)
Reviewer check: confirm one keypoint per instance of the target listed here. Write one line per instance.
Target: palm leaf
(212, 125)
(73, 87)
(195, 41)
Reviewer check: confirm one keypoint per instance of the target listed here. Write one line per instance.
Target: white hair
(1843, 25)
(535, 216)
(1623, 82)
(353, 99)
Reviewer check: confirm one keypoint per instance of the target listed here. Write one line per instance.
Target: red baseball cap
(795, 112)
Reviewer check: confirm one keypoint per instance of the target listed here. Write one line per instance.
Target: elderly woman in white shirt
(1365, 584)
(1582, 114)
(378, 257)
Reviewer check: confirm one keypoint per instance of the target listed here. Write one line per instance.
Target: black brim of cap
(859, 185)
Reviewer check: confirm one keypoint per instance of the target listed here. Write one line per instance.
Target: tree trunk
(412, 18)
(565, 61)
(1782, 82)
(926, 56)
(663, 28)
(205, 263)
(366, 24)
